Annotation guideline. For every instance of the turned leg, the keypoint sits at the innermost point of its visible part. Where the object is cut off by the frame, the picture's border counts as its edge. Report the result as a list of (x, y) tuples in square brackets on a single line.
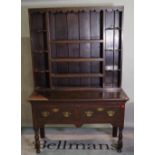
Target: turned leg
[(120, 140), (42, 132), (37, 142), (114, 131)]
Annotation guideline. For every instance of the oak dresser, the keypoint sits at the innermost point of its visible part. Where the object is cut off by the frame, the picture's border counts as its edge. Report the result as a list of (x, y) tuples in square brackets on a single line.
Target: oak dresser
[(77, 68)]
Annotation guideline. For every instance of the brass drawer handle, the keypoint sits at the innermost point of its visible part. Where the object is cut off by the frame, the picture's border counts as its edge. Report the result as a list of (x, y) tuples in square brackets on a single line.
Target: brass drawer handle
[(55, 109), (89, 113), (111, 113), (45, 113), (100, 109), (66, 114)]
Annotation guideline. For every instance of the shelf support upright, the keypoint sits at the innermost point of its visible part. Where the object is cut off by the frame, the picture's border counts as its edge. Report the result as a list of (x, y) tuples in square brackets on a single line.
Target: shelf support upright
[(113, 72), (49, 48), (102, 45)]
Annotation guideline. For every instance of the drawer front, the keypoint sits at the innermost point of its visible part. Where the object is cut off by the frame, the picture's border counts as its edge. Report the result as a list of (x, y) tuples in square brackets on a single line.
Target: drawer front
[(78, 113), (56, 114), (99, 114)]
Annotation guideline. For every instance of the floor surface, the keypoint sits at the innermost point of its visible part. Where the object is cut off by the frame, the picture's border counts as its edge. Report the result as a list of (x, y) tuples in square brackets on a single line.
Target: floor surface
[(78, 141)]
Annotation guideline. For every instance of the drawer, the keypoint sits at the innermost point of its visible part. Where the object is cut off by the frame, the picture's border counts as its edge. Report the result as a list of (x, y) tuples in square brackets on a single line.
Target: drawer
[(99, 113), (78, 113), (57, 114)]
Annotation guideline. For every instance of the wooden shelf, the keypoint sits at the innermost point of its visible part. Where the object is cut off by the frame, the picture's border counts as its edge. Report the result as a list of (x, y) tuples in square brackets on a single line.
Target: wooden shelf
[(113, 28), (113, 50), (42, 88), (70, 75), (75, 41), (40, 51), (112, 68), (77, 59), (39, 31), (77, 89), (41, 71)]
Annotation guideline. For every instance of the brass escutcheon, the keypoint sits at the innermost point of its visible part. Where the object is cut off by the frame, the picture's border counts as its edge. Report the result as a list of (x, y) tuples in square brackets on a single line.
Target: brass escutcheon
[(66, 114), (100, 109), (55, 109), (111, 113), (45, 113), (89, 113)]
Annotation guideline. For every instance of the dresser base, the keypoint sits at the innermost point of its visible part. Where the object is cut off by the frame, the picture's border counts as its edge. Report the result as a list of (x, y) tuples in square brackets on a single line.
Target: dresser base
[(78, 108)]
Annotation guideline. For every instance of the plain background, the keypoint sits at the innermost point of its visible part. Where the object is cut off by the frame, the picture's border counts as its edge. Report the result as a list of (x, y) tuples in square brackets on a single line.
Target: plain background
[(128, 50)]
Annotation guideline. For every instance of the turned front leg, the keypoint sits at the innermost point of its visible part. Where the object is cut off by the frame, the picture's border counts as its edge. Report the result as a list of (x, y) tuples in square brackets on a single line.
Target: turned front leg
[(37, 142), (42, 132), (114, 131), (120, 140)]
